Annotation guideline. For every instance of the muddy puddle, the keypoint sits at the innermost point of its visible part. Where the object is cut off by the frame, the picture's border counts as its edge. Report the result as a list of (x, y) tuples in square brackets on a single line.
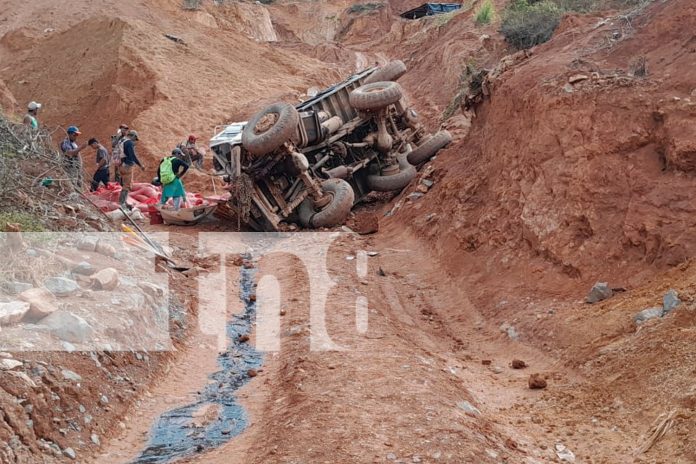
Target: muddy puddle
[(216, 416)]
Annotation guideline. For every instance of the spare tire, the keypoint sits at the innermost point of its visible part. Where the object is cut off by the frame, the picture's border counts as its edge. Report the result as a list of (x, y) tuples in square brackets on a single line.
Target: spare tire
[(391, 71), (269, 129), (427, 149), (394, 182), (375, 96), (335, 212)]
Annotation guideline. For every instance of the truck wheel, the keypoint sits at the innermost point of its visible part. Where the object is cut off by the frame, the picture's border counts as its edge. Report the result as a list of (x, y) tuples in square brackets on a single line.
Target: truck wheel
[(269, 129), (375, 96), (391, 71), (427, 149), (398, 181), (335, 212)]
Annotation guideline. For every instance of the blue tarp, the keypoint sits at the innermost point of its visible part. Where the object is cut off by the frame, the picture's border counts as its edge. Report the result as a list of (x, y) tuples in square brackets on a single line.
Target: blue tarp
[(429, 9)]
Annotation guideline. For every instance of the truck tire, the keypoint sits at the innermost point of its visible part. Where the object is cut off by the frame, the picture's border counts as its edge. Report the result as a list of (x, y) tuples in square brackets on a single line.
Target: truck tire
[(391, 71), (334, 213), (375, 96), (283, 129), (427, 149), (380, 183)]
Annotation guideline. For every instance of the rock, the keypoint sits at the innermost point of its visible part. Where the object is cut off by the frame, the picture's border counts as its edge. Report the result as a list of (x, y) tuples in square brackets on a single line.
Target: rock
[(518, 364), (537, 382), (87, 244), (83, 268), (283, 312), (252, 373), (95, 439), (414, 196), (70, 375), (670, 302), (497, 370), (13, 312), (68, 327), (106, 279), (9, 364), (391, 456), (564, 454), (60, 286), (577, 78), (422, 188), (4, 355), (41, 301), (15, 288), (427, 182), (486, 362), (600, 291), (104, 399), (151, 289), (568, 88), (105, 248), (243, 338), (647, 314), (468, 408), (510, 331), (69, 452), (366, 224)]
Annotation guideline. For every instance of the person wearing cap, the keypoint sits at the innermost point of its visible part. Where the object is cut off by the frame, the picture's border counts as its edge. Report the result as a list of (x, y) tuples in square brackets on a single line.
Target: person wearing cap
[(130, 160), (191, 150), (30, 119), (101, 174), (117, 142), (72, 160)]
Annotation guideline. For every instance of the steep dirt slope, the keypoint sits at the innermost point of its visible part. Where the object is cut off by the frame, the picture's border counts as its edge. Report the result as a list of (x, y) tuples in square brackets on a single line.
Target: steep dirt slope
[(128, 71), (590, 176)]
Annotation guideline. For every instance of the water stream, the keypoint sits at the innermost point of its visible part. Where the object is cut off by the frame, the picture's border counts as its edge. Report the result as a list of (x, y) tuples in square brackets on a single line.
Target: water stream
[(179, 433)]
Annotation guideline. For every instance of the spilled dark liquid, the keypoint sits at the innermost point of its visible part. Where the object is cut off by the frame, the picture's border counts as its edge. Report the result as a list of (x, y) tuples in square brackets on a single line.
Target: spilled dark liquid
[(175, 435)]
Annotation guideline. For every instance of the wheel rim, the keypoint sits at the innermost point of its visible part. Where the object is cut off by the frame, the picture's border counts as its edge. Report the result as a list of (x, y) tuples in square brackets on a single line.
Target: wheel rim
[(265, 123)]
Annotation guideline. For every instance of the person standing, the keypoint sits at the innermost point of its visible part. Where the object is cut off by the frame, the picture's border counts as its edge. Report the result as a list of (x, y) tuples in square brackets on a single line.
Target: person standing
[(101, 174), (169, 174), (130, 160), (117, 150), (31, 118), (72, 160)]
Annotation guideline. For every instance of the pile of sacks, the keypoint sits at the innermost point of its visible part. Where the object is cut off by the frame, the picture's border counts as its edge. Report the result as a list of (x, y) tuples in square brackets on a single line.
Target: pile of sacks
[(142, 197)]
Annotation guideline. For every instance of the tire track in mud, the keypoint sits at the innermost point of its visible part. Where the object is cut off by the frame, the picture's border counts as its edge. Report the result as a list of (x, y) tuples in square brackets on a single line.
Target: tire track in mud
[(216, 417)]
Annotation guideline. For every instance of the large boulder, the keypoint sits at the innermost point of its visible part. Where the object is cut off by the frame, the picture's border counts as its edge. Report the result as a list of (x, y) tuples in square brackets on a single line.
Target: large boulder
[(13, 312), (41, 301), (68, 327)]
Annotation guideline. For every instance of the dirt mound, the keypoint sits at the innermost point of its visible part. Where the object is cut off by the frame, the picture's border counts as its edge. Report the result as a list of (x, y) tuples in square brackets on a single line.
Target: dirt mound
[(599, 182)]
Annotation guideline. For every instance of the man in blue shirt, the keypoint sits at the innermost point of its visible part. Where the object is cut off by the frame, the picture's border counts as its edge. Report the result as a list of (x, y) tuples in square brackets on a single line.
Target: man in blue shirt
[(72, 160), (130, 159)]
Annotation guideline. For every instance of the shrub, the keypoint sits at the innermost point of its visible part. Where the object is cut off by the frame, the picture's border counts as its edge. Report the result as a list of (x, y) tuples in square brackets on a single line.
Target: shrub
[(485, 14), (526, 24)]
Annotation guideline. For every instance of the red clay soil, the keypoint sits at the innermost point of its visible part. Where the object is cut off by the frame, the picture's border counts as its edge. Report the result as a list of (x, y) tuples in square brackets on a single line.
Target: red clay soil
[(551, 187)]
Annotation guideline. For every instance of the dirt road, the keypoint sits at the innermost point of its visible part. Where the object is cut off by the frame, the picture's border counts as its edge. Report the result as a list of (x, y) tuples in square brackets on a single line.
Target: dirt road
[(430, 380)]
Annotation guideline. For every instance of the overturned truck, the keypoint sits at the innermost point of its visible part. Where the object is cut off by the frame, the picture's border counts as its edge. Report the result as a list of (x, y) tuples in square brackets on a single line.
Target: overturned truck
[(310, 163)]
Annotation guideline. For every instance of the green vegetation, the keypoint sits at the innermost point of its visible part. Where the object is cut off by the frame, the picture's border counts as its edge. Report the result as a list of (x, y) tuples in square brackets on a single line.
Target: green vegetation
[(527, 23), (27, 222), (365, 7), (485, 14)]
